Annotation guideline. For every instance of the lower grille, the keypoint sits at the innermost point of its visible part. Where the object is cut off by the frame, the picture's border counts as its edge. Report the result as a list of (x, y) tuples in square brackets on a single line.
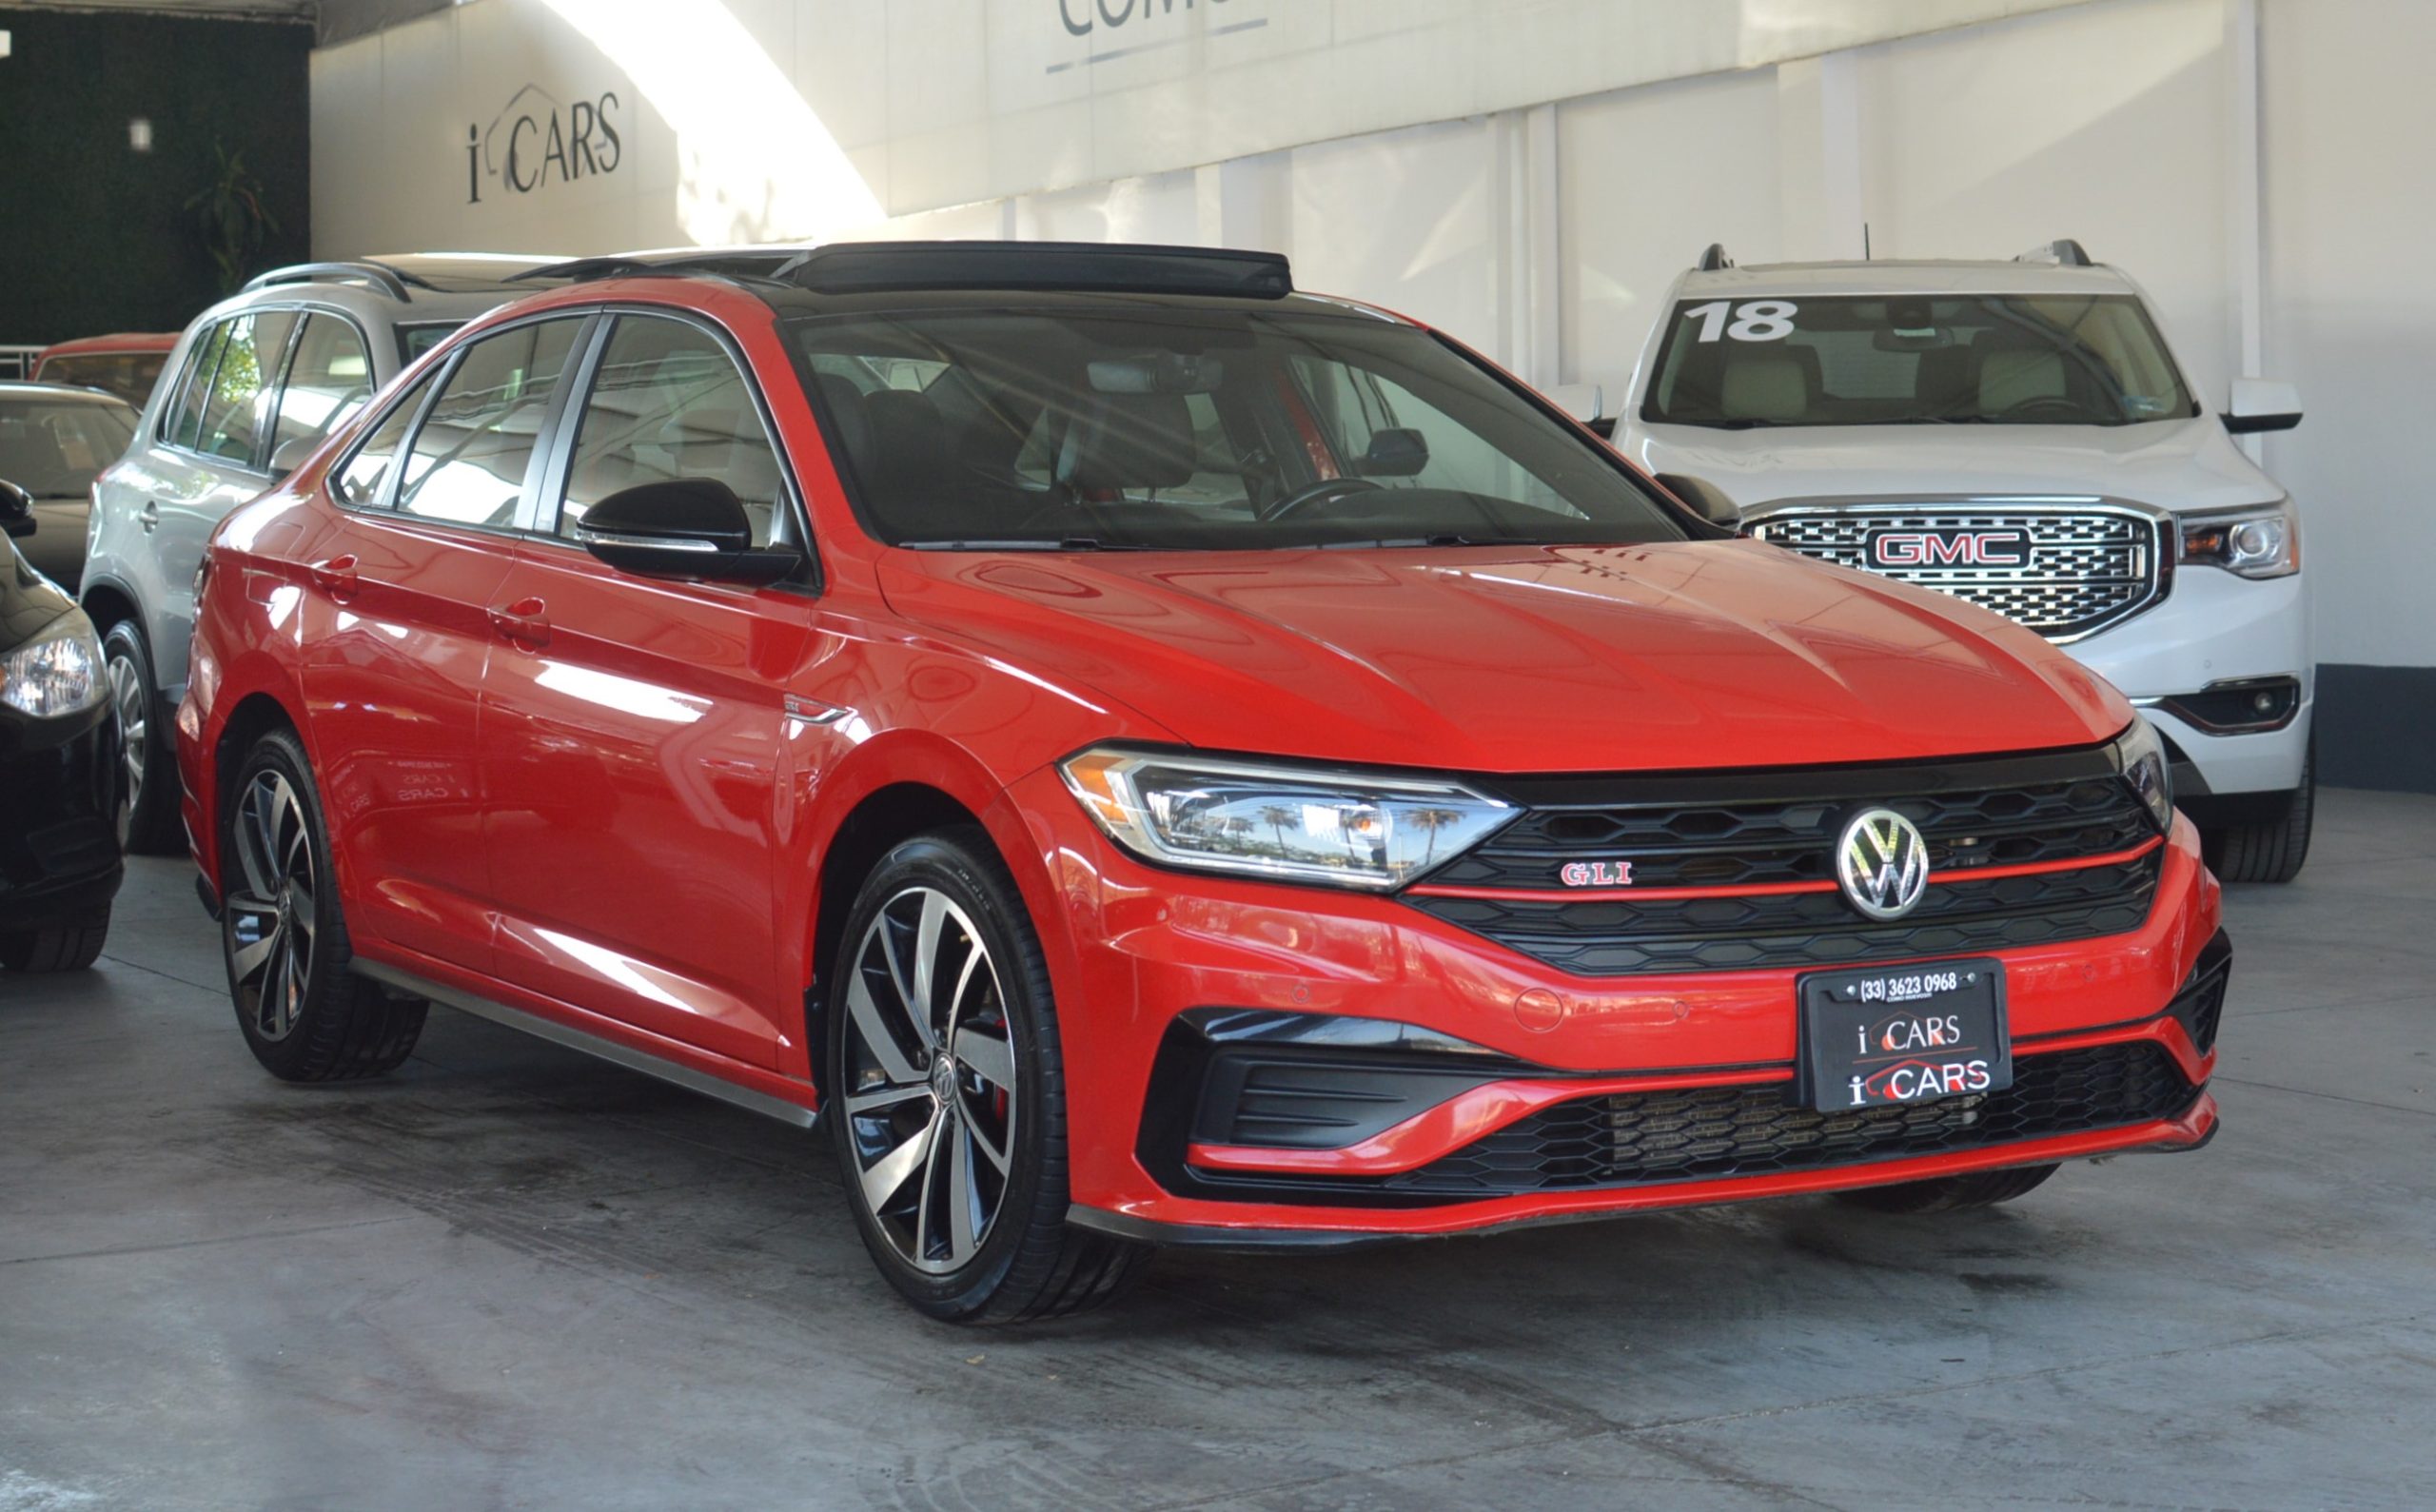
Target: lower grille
[(1716, 1132), (2064, 573)]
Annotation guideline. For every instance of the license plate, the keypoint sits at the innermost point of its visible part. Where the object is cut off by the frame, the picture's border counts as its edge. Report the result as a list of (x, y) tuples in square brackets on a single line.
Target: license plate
[(1891, 1034)]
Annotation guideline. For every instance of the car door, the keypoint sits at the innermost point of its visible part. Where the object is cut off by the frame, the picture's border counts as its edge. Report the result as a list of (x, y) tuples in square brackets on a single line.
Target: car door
[(396, 633), (632, 728)]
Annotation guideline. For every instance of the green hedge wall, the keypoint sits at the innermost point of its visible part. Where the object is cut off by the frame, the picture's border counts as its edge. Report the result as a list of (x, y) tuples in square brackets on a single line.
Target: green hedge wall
[(95, 237)]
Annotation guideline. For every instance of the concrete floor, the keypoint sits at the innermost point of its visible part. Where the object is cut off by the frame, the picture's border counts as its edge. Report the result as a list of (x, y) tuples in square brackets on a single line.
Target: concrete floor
[(510, 1276)]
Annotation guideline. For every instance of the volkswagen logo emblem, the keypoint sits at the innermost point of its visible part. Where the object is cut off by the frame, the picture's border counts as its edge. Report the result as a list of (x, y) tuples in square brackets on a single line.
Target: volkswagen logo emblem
[(1882, 863)]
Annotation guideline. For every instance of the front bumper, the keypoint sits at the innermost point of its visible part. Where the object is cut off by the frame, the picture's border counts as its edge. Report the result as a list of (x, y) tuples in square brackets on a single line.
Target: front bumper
[(1134, 950), (2216, 628)]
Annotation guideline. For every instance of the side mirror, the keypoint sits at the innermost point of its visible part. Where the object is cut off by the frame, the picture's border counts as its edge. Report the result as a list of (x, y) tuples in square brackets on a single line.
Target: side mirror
[(689, 528), (1707, 500), (2261, 404), (1587, 402), (1394, 454), (290, 454), (16, 511)]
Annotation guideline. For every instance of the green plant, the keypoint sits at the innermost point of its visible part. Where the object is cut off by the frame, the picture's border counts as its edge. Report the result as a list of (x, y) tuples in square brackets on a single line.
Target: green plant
[(229, 210)]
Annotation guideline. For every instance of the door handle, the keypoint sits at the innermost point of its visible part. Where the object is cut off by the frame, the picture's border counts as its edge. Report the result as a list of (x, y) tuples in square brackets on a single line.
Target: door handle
[(525, 622), (336, 577), (149, 515)]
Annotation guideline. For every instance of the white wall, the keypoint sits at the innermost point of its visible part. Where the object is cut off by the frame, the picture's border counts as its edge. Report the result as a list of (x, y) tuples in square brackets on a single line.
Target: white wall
[(1546, 236), (2350, 211)]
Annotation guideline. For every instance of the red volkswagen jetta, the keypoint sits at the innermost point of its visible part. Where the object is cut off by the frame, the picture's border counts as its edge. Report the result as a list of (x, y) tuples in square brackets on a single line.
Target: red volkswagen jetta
[(1154, 757)]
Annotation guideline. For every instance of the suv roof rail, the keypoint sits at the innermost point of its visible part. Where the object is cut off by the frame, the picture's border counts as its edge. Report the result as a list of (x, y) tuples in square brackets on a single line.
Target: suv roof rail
[(857, 268), (2064, 252), (1713, 260), (390, 280)]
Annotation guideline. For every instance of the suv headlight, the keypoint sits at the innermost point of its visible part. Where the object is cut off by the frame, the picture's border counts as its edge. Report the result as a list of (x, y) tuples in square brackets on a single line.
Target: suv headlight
[(1351, 829), (57, 673), (2140, 756), (2264, 542)]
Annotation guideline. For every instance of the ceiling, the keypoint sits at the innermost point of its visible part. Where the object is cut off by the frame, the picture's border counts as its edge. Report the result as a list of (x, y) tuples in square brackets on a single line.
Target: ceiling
[(333, 20)]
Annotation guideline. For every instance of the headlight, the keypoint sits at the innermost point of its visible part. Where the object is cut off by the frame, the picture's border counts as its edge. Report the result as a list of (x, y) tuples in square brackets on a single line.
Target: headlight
[(1352, 829), (2256, 542), (2141, 757), (58, 671)]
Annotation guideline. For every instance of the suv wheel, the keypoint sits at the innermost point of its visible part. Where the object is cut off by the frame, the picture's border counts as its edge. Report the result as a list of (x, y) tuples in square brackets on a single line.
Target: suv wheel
[(68, 946), (947, 1093), (1981, 1188), (2270, 848), (147, 799), (305, 1016)]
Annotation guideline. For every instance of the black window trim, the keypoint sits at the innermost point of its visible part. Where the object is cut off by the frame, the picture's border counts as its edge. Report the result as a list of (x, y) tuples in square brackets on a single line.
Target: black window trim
[(568, 422)]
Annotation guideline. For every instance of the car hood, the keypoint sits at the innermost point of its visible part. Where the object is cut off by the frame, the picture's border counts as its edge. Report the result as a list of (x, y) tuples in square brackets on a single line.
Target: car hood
[(2185, 464), (1559, 658)]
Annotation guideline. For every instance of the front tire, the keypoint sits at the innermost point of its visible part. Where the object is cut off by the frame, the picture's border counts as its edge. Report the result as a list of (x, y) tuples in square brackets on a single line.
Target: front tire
[(69, 947), (2270, 847), (1980, 1189), (147, 797), (305, 1016), (947, 1099)]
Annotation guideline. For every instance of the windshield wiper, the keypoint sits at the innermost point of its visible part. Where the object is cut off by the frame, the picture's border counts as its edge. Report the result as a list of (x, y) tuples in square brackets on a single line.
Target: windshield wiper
[(1391, 541), (1064, 544)]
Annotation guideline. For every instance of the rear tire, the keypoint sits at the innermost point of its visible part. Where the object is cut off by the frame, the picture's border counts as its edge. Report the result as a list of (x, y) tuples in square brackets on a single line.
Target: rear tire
[(69, 947), (1980, 1189), (947, 1095), (2271, 848), (148, 795), (305, 1016)]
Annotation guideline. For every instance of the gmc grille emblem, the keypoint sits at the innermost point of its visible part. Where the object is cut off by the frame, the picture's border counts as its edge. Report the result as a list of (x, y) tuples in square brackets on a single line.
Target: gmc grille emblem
[(1949, 548)]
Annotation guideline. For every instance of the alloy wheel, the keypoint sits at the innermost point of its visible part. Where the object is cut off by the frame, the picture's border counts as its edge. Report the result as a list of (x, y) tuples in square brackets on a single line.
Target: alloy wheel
[(128, 705), (929, 1072), (270, 913)]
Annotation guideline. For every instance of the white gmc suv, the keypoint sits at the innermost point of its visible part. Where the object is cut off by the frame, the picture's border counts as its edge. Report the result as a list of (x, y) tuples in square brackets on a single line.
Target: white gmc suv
[(2019, 435)]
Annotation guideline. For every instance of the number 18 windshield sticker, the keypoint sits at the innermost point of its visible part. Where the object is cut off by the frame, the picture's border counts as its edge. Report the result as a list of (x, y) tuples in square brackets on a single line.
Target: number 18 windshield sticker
[(1758, 320)]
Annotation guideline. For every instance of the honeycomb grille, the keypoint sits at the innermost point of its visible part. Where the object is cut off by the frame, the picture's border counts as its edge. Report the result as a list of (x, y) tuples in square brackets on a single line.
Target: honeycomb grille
[(1717, 1133), (2086, 569)]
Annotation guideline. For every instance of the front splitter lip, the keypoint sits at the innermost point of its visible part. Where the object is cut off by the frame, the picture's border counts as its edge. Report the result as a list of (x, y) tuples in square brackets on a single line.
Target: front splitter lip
[(1201, 1224)]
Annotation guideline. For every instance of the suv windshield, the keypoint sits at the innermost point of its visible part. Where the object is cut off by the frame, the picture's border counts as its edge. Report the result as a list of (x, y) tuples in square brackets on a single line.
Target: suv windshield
[(1142, 427), (2027, 360), (53, 448)]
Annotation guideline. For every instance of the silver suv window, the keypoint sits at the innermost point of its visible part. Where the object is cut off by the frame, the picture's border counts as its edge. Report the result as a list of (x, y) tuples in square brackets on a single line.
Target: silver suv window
[(328, 379)]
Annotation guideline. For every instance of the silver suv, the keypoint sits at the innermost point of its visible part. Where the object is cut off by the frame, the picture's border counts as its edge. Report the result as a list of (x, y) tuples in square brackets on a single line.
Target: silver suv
[(253, 385)]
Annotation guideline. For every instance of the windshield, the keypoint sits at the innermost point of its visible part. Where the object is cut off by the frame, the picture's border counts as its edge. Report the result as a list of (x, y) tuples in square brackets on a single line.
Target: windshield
[(53, 448), (2015, 360), (130, 374), (1140, 427)]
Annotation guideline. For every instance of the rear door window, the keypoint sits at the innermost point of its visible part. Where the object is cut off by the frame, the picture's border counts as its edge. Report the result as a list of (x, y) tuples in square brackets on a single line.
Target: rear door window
[(469, 460), (363, 481), (328, 380), (195, 386)]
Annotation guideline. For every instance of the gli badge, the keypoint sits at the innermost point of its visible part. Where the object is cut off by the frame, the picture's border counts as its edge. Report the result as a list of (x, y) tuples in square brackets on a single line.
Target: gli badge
[(1882, 864), (1597, 873)]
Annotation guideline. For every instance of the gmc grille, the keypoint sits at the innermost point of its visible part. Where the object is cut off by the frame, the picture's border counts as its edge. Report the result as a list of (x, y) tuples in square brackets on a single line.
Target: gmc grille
[(2083, 569)]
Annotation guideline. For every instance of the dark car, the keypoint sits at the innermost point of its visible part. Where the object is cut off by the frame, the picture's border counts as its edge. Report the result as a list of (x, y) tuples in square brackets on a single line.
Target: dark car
[(59, 768)]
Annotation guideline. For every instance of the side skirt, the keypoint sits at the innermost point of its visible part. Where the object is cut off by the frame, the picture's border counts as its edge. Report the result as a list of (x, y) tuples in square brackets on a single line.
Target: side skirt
[(610, 1050)]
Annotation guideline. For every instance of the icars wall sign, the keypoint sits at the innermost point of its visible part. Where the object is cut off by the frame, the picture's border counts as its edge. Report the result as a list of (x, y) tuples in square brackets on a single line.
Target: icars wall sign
[(534, 137)]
